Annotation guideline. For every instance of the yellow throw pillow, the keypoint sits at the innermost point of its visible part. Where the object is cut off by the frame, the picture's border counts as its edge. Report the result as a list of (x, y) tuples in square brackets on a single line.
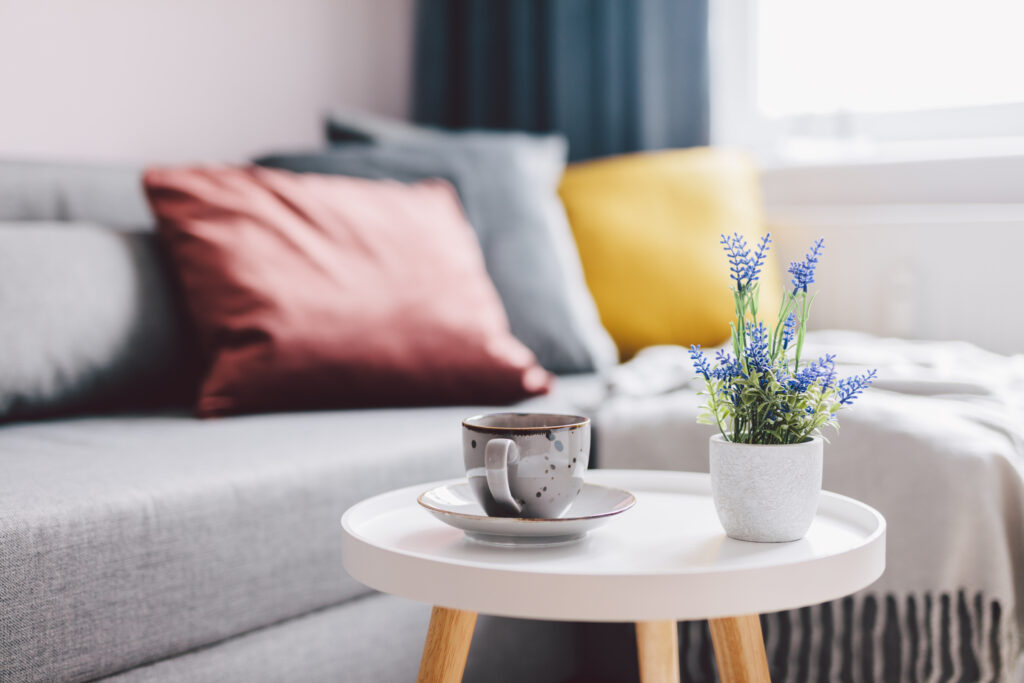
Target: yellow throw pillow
[(648, 227)]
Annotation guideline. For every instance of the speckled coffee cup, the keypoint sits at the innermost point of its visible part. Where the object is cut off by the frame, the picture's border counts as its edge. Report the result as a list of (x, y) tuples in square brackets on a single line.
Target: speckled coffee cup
[(526, 464)]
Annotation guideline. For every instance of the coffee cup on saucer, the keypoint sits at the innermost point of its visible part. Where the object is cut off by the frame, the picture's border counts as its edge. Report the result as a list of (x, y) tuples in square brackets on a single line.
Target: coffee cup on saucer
[(528, 465)]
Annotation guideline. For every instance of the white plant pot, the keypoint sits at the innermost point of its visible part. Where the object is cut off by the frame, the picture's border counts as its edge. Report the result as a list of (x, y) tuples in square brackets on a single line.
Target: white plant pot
[(767, 494)]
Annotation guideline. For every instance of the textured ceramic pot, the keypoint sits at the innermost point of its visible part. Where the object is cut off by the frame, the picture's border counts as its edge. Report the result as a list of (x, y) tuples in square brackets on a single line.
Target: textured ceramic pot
[(767, 494)]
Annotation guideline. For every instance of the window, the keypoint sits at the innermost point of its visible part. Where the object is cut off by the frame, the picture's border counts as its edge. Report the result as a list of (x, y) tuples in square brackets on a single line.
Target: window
[(834, 80)]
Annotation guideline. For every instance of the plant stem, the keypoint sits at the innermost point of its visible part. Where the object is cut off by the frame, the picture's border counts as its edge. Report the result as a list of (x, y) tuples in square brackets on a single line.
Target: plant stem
[(784, 308), (801, 332)]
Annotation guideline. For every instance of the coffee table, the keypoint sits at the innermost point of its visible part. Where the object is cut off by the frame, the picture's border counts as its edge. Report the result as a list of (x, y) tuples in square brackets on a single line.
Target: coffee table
[(665, 560)]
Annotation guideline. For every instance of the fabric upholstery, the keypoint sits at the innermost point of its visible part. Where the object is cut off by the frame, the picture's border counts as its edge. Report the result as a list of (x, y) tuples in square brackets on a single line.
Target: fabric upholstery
[(648, 227), (508, 185), (44, 191), (374, 638), (614, 76), (87, 322), (124, 540), (313, 291)]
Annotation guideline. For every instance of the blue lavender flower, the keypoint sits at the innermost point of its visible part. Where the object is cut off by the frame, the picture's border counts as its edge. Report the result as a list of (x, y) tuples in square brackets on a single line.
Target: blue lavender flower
[(789, 330), (827, 372), (800, 382), (700, 361), (760, 255), (726, 366), (744, 266), (803, 271), (822, 370), (738, 253), (757, 349), (851, 387)]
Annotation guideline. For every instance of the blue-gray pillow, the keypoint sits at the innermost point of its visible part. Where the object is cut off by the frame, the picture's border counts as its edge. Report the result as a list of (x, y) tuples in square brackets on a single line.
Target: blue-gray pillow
[(87, 322), (508, 185)]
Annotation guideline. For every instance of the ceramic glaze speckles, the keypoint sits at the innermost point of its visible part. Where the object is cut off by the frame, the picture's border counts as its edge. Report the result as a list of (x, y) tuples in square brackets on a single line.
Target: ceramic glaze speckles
[(535, 462), (764, 493)]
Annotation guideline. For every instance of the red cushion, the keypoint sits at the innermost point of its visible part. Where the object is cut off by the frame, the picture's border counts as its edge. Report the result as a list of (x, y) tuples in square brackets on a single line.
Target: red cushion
[(312, 291)]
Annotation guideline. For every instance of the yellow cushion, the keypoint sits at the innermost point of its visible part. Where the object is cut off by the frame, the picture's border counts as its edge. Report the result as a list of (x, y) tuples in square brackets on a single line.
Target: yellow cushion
[(648, 228)]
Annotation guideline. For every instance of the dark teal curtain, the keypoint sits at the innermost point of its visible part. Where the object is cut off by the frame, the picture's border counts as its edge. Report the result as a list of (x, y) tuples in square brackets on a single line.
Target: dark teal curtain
[(614, 76)]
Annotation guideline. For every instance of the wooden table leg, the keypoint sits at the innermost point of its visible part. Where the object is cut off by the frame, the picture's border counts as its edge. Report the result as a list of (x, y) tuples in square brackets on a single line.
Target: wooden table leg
[(739, 649), (657, 644), (447, 645)]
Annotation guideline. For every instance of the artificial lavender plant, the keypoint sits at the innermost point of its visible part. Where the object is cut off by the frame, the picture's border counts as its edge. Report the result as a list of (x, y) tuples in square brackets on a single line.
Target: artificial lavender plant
[(760, 393)]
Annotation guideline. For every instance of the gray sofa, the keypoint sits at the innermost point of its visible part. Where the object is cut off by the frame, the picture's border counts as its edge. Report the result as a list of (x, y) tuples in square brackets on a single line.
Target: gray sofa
[(210, 550), (138, 543)]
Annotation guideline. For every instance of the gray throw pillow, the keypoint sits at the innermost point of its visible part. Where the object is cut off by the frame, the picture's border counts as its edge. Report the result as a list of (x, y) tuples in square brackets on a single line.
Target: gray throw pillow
[(87, 322), (508, 184), (352, 125), (45, 191)]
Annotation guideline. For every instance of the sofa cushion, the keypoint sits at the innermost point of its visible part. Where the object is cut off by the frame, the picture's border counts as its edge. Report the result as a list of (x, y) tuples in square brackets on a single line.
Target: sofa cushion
[(648, 228), (507, 183), (45, 191), (374, 638), (315, 291), (124, 540), (345, 124), (87, 322)]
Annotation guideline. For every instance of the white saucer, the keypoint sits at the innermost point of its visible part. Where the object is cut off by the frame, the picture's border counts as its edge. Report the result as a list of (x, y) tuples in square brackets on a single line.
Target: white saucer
[(455, 505)]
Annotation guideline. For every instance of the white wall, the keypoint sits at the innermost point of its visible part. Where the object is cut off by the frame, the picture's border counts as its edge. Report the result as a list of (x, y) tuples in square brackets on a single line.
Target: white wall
[(953, 278), (178, 80), (928, 250)]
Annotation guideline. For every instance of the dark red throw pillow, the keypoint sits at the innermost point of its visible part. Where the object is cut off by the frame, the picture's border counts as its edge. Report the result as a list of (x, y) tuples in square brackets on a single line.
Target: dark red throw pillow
[(311, 291)]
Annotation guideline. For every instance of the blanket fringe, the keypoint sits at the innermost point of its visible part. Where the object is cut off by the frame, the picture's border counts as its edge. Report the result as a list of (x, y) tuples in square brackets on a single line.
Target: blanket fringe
[(870, 638)]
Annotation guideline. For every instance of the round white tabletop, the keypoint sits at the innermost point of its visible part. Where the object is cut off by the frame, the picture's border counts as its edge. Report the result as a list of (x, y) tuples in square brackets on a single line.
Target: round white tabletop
[(666, 559)]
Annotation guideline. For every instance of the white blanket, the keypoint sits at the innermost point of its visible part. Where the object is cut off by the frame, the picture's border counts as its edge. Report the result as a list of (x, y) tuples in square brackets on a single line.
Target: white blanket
[(938, 447)]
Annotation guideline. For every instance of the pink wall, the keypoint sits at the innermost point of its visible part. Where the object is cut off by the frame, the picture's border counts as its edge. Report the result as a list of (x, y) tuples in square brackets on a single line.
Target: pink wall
[(176, 80)]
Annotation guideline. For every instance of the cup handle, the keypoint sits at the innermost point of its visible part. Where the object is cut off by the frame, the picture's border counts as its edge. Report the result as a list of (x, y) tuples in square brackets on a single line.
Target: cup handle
[(498, 455)]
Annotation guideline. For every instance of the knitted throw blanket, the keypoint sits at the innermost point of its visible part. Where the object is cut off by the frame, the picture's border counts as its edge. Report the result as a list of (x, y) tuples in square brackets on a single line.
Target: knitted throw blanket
[(937, 446)]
